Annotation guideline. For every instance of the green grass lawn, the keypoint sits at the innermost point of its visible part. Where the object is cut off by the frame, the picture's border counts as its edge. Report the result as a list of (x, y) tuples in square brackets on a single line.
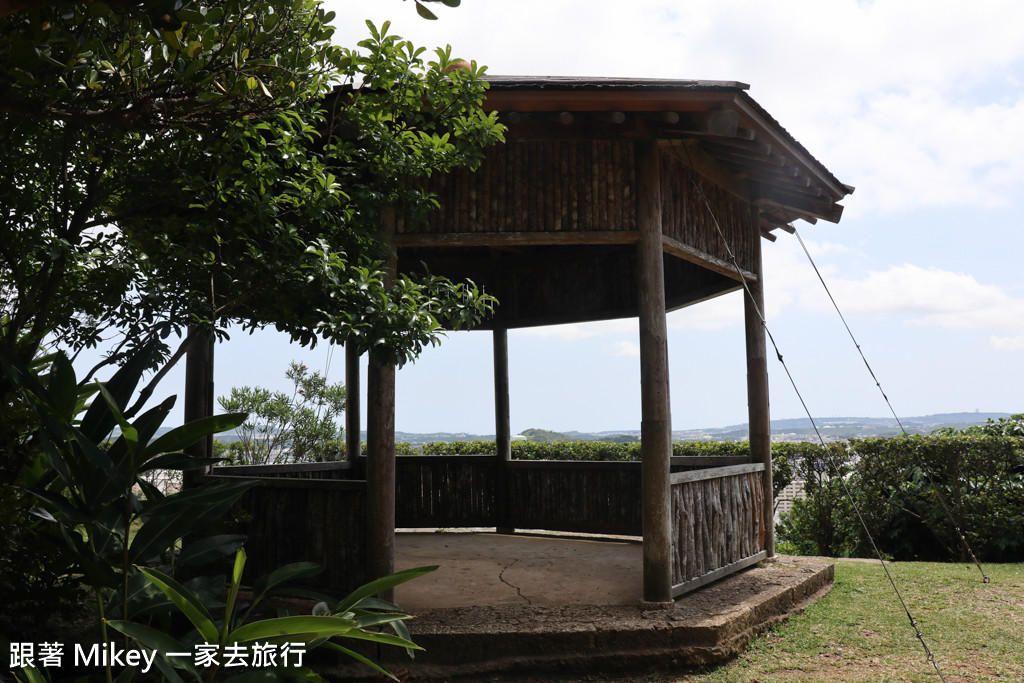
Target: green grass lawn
[(859, 631)]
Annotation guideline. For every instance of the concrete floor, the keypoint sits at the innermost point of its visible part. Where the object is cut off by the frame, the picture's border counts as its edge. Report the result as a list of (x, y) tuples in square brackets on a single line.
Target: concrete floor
[(488, 569), (504, 607)]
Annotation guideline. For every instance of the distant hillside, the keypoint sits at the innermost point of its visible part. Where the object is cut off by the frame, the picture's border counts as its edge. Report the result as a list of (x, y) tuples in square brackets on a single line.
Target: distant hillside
[(797, 429)]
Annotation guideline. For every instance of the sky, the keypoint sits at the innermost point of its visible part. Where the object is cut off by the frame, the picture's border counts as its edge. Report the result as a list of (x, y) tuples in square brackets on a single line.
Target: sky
[(918, 104)]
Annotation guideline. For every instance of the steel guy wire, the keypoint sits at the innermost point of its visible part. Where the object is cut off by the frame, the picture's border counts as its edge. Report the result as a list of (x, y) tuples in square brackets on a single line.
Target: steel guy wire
[(849, 495), (942, 500)]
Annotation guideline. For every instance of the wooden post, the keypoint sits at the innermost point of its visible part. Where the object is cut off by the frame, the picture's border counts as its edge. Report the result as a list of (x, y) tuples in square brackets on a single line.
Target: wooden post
[(353, 418), (198, 399), (757, 385), (656, 422), (502, 433), (380, 438)]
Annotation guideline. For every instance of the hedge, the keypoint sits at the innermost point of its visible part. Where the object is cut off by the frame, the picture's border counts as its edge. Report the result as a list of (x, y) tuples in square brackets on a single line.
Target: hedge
[(914, 492)]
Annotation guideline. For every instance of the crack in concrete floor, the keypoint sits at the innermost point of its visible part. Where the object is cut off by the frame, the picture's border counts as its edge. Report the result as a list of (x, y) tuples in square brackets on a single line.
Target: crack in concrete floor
[(501, 577)]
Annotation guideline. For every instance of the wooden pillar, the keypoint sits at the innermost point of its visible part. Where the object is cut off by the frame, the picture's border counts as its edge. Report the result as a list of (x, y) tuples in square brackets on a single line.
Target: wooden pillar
[(199, 398), (380, 446), (353, 417), (502, 433), (656, 423), (757, 385)]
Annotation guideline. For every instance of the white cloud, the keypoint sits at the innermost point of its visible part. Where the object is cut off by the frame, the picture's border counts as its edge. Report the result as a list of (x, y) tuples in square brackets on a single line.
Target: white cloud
[(929, 296), (714, 314), (625, 348), (1008, 343), (574, 331)]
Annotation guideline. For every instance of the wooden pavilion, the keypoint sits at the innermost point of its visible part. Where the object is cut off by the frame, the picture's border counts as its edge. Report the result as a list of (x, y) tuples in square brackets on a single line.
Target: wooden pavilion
[(611, 198)]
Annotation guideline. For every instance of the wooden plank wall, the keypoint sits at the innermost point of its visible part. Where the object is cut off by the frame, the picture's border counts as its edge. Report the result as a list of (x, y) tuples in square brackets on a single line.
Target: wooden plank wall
[(538, 186), (716, 521), (716, 512), (686, 218), (445, 491), (592, 497), (306, 520)]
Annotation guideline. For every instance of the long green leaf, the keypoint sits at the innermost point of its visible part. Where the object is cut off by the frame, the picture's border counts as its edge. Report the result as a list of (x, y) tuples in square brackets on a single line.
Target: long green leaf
[(186, 601), (188, 434), (384, 638), (63, 386), (98, 421), (289, 572), (380, 585), (177, 461), (33, 675), (156, 640), (128, 432), (236, 581), (360, 658), (173, 516), (304, 627), (63, 506), (210, 549)]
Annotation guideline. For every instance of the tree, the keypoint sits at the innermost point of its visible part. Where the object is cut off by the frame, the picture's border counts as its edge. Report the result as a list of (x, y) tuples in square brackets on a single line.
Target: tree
[(221, 163), (302, 427)]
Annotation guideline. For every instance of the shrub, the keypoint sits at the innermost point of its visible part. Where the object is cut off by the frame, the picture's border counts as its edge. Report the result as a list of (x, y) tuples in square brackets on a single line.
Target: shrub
[(914, 493), (297, 428)]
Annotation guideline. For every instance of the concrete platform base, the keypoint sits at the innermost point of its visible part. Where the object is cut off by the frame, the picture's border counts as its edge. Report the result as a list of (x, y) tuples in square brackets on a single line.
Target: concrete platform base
[(556, 606)]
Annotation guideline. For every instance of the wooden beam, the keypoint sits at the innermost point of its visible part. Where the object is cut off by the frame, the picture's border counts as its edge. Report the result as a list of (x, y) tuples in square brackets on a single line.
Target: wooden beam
[(787, 145), (798, 203), (690, 153), (701, 258), (515, 239), (656, 420), (589, 100)]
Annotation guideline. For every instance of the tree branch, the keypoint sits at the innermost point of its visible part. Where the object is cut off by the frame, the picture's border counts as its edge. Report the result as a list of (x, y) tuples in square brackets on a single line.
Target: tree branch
[(148, 390)]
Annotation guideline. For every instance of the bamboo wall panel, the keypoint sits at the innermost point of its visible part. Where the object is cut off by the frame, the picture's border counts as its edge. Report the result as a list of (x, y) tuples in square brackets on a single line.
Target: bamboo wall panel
[(537, 186), (686, 218), (571, 496), (716, 523), (445, 491), (304, 520)]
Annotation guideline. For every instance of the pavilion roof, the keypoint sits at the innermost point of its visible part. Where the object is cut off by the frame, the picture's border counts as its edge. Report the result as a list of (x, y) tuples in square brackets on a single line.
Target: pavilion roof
[(725, 131)]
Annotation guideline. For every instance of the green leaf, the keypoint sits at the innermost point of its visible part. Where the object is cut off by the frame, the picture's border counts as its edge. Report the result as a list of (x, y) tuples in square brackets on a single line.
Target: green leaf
[(186, 435), (175, 515), (62, 386), (98, 421), (424, 12), (304, 628), (289, 572), (177, 461), (360, 658), (33, 675), (186, 601), (128, 433), (209, 549), (236, 581), (157, 641), (380, 585)]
